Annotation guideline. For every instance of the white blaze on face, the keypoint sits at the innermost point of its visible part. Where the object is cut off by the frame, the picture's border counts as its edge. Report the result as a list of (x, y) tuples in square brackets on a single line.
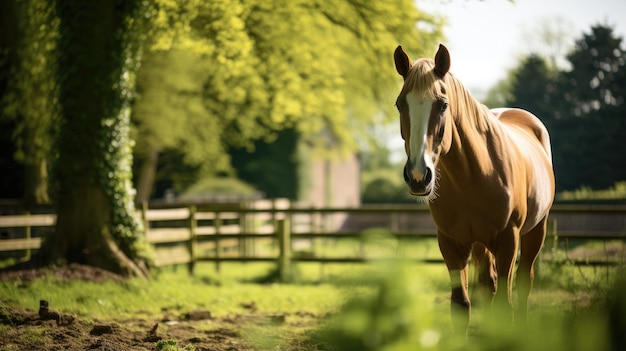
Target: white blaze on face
[(419, 112)]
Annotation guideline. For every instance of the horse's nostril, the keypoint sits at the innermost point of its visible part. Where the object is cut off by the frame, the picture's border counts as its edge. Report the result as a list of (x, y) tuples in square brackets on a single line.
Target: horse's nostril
[(407, 173), (428, 175)]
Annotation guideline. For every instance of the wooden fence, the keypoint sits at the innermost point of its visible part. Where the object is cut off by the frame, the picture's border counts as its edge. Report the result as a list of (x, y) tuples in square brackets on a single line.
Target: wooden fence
[(281, 232)]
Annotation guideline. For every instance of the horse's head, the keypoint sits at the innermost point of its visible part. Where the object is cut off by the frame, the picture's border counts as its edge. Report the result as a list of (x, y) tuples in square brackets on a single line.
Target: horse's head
[(424, 121)]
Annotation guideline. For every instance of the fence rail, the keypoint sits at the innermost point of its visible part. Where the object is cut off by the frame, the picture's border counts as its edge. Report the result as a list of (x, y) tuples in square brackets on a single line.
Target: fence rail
[(277, 231)]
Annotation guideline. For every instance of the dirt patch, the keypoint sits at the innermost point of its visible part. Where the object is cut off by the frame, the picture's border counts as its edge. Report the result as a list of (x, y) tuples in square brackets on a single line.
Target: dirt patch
[(71, 271), (25, 329), (51, 329)]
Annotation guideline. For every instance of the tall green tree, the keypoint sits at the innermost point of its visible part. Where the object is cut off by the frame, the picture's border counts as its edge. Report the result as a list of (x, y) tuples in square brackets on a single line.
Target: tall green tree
[(319, 67), (589, 145), (582, 106), (29, 30), (532, 84), (170, 116), (198, 80), (98, 48)]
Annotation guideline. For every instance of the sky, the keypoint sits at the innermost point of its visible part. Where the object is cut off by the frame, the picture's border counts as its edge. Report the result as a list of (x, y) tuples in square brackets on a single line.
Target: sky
[(487, 37)]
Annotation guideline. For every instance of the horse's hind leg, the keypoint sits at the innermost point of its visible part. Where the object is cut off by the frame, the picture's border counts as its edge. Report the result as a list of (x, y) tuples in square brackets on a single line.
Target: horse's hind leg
[(456, 256), (507, 243), (531, 243), (485, 273)]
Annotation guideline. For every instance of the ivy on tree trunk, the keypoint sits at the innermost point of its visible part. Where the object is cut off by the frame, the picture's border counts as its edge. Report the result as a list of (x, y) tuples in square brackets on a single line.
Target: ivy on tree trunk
[(98, 54)]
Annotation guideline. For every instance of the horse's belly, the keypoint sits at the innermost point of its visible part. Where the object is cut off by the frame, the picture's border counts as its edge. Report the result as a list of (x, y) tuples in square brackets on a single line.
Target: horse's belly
[(540, 196), (469, 224), (539, 179)]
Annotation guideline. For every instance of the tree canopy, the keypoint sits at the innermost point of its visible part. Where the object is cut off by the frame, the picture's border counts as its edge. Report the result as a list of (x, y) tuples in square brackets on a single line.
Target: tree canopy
[(215, 74), (28, 88), (228, 73), (583, 107)]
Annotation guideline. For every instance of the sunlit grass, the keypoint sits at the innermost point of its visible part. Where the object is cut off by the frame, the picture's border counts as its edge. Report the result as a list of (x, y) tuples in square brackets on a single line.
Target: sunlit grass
[(176, 292), (386, 304)]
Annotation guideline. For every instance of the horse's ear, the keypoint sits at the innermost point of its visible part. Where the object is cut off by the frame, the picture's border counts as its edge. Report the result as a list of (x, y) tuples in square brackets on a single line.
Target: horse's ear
[(403, 64), (442, 61)]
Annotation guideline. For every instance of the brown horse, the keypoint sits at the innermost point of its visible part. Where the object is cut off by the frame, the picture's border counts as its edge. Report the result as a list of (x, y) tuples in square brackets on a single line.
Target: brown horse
[(487, 175)]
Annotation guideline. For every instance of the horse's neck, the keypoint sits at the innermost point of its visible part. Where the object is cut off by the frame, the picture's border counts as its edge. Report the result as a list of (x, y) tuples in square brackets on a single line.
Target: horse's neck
[(473, 130)]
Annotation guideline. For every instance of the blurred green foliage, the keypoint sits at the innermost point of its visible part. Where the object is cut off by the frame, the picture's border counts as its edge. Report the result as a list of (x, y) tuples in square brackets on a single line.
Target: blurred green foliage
[(224, 74), (209, 188), (277, 167), (616, 192), (30, 95), (28, 92), (399, 316), (583, 108)]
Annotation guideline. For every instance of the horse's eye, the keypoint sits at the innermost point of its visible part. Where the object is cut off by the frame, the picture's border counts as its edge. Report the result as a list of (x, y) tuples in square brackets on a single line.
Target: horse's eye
[(444, 106)]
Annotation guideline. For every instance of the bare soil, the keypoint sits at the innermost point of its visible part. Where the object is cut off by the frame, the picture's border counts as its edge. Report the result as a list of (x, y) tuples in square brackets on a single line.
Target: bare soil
[(49, 329)]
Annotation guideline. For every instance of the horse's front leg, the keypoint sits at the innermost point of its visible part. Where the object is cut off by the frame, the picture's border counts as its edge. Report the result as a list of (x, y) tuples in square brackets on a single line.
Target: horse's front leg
[(456, 256)]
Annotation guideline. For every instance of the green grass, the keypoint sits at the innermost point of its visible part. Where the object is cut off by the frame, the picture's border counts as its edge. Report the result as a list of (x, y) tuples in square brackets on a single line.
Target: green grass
[(383, 305), (173, 291)]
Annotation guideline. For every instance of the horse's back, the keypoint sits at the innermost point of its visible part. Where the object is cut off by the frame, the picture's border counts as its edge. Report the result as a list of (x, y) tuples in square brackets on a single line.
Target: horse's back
[(527, 122)]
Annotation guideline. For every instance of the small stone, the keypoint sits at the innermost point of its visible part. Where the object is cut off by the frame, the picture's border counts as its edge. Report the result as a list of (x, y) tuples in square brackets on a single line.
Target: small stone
[(198, 315), (101, 329)]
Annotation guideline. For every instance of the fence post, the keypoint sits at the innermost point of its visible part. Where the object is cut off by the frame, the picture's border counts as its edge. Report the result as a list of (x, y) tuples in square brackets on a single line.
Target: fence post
[(28, 236), (283, 231), (192, 239), (218, 225)]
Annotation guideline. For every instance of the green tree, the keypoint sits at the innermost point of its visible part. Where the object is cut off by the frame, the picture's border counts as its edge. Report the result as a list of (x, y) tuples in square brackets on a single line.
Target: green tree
[(582, 107), (531, 86), (319, 67), (97, 52), (199, 91), (170, 116), (29, 30), (272, 167), (589, 144), (342, 85)]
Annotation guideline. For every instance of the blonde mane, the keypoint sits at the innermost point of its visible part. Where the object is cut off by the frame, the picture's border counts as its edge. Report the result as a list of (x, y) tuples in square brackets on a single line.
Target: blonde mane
[(422, 80)]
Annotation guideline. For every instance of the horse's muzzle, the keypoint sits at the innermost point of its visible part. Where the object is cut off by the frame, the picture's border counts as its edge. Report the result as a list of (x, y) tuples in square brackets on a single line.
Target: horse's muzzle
[(421, 187)]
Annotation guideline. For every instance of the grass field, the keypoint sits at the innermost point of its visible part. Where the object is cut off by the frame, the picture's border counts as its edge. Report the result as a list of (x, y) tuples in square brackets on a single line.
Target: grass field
[(382, 305)]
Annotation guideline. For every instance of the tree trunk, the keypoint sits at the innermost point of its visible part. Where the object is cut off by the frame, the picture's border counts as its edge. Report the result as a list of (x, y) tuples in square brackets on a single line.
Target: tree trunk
[(28, 90), (36, 183), (147, 173), (97, 56), (84, 233)]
